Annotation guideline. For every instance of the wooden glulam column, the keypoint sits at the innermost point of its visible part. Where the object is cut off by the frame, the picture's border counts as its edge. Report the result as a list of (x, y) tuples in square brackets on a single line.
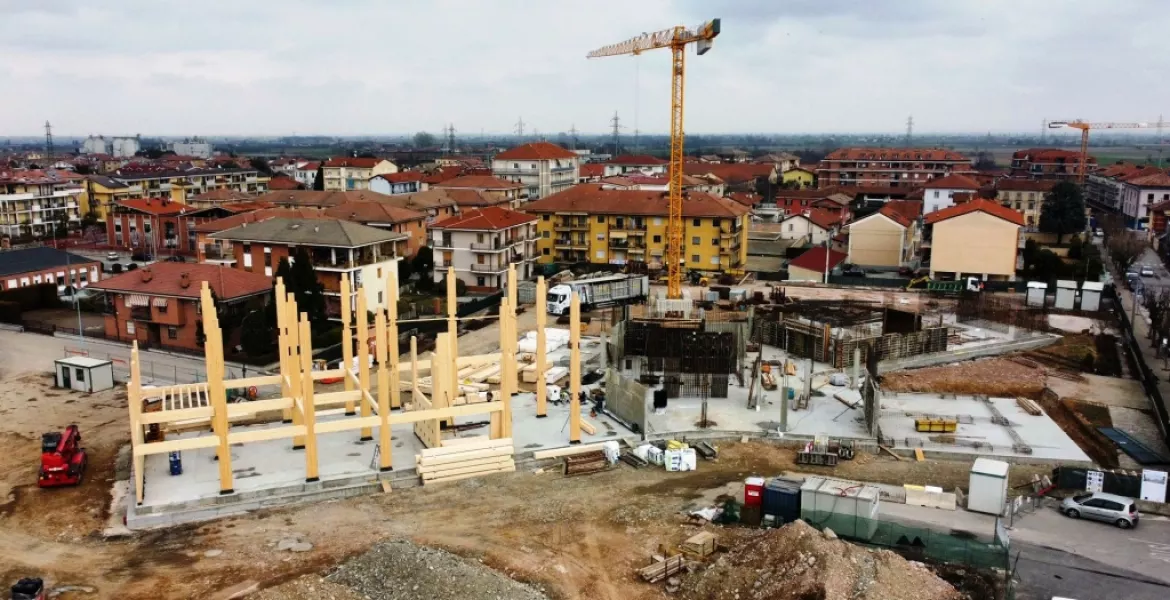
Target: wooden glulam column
[(385, 462), (217, 393), (347, 339), (306, 402), (575, 370), (512, 373), (392, 341), (506, 388), (452, 354), (541, 348), (295, 373), (363, 357), (137, 438), (281, 345)]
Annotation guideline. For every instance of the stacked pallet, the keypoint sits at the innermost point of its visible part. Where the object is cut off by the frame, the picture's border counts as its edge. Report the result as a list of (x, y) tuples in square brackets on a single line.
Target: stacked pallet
[(465, 459), (586, 463)]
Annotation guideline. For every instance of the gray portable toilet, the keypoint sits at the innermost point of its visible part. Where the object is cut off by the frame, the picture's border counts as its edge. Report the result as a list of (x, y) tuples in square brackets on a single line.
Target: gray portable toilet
[(1091, 295), (1037, 290), (1066, 294)]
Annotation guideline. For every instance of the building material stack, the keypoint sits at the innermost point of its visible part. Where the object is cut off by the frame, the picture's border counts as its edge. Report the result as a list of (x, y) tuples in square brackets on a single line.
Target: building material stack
[(463, 459)]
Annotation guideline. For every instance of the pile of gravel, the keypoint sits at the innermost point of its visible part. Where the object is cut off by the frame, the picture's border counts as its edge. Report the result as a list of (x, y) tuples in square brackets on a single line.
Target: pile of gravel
[(400, 570)]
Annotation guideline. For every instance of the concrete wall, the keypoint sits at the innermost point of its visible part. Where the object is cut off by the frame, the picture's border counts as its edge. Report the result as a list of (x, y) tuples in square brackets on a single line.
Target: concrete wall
[(876, 242), (626, 398), (976, 243)]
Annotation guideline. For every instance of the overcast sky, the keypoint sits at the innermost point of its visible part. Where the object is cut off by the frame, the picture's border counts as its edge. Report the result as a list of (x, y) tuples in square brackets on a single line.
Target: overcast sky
[(354, 67)]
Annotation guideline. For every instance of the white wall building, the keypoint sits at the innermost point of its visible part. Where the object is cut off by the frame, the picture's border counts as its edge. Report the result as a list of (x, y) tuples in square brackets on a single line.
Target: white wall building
[(306, 174), (636, 164), (940, 193), (480, 244), (544, 168), (1138, 194), (196, 147)]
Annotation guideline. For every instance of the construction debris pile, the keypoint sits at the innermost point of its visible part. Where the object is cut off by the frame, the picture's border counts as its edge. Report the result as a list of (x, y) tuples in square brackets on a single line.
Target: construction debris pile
[(797, 562), (400, 570), (1002, 377)]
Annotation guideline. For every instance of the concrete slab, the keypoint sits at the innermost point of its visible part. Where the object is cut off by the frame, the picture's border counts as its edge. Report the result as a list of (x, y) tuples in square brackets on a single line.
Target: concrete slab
[(1142, 427), (1047, 439)]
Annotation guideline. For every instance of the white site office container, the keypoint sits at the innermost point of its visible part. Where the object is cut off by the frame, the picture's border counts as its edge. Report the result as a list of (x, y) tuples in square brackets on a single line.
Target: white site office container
[(1066, 294), (848, 508), (988, 486), (1037, 290), (1091, 295), (84, 374)]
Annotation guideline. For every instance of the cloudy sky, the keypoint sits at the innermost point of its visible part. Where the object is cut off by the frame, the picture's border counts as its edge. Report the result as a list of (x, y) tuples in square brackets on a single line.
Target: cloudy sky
[(354, 67)]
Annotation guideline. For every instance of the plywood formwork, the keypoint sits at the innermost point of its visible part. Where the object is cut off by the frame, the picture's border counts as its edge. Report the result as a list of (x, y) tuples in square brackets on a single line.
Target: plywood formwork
[(203, 407)]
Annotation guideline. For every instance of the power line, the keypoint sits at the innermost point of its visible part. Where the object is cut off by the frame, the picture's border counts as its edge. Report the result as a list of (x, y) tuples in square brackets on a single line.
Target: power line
[(450, 130), (48, 140), (573, 136), (519, 128), (616, 123)]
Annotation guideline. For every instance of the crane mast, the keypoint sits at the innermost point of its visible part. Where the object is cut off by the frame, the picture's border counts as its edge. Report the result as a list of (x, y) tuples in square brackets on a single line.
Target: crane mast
[(1085, 126), (677, 39)]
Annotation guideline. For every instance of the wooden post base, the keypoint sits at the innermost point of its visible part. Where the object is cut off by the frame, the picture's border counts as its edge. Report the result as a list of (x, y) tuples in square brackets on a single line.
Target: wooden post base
[(385, 469), (366, 438), (541, 416), (301, 447), (312, 479), (226, 492)]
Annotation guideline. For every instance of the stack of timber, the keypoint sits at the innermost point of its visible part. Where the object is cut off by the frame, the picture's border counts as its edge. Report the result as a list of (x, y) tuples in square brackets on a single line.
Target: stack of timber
[(464, 459), (663, 569), (586, 463)]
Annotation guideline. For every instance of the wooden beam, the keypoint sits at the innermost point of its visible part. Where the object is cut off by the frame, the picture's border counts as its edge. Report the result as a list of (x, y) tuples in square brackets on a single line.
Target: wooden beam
[(282, 348), (262, 435), (459, 448), (338, 397), (465, 456), (348, 424), (588, 427), (295, 371), (480, 467), (413, 416), (195, 443), (346, 337), (307, 400), (505, 469), (575, 369), (380, 334), (391, 344), (217, 393), (247, 382), (134, 402), (257, 406), (363, 357), (567, 451), (452, 327), (424, 365), (541, 347), (170, 416)]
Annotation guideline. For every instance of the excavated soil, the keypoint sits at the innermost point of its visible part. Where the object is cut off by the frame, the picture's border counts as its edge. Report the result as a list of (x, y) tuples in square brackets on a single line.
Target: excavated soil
[(991, 377)]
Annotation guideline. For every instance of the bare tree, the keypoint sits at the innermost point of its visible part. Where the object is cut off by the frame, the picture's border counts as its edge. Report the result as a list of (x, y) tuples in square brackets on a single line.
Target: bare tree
[(1125, 247), (1158, 307)]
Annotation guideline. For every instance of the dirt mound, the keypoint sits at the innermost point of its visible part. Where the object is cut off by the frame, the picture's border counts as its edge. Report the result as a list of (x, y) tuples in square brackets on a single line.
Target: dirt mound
[(797, 562), (991, 376)]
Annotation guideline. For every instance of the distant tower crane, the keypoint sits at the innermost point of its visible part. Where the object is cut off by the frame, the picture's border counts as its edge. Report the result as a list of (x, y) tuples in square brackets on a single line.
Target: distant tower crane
[(677, 39), (1085, 126)]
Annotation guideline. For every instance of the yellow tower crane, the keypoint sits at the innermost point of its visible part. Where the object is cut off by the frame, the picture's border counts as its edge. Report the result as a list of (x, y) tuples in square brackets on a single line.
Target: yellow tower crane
[(1085, 127), (677, 39)]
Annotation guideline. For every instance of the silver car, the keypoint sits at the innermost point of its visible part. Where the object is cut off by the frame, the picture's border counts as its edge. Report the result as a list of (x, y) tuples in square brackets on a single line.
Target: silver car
[(1111, 508)]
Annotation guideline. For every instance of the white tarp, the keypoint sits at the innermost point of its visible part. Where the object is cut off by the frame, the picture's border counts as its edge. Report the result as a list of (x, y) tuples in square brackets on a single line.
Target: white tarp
[(554, 339), (1154, 485)]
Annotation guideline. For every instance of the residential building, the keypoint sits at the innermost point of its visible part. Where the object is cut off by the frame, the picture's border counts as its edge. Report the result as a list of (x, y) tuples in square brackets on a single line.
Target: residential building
[(346, 174), (306, 174), (118, 147), (1139, 193), (388, 217), (101, 193), (178, 185), (481, 243), (939, 193), (508, 194), (786, 202), (158, 227), (283, 182), (404, 182), (590, 172), (221, 252), (635, 164), (1025, 196), (978, 238), (814, 263), (34, 202), (784, 161), (1049, 163), (741, 177), (336, 247), (589, 224), (887, 238), (436, 204), (24, 267), (801, 177), (889, 167), (1103, 187), (196, 147), (158, 305), (218, 197), (542, 167), (812, 226)]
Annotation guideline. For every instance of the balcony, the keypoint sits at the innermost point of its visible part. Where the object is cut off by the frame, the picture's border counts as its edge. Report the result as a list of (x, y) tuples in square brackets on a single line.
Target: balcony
[(213, 252), (498, 172), (477, 268), (140, 313), (575, 226), (495, 246)]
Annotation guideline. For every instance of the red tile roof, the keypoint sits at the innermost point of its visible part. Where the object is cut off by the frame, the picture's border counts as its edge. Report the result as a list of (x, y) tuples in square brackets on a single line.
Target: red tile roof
[(535, 151), (908, 209), (954, 181), (153, 206), (1158, 179), (464, 197), (979, 205), (357, 163), (1025, 185), (258, 215), (166, 279), (731, 173), (591, 198), (373, 212), (637, 160), (592, 170), (313, 166), (491, 218), (224, 195), (479, 182), (1050, 155), (923, 154), (284, 182), (813, 259), (746, 198), (443, 174), (819, 217), (402, 176)]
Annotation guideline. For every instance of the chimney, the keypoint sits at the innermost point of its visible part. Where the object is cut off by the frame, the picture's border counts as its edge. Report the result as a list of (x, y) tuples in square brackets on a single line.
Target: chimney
[(146, 275), (185, 280)]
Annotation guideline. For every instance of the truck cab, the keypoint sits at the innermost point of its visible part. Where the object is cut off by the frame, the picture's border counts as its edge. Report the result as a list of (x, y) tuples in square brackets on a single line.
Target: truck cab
[(558, 299)]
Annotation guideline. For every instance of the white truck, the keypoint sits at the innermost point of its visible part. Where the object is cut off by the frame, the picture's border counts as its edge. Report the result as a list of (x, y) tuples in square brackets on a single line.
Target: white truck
[(598, 291)]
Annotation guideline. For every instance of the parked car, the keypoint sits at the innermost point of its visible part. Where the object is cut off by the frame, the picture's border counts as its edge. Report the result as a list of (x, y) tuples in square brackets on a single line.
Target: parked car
[(141, 256), (112, 256), (1110, 508), (176, 258), (1147, 271), (852, 271)]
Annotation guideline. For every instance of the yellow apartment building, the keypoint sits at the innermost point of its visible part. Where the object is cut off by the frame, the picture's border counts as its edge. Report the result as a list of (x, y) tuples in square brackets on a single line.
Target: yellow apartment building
[(1026, 196), (980, 238), (586, 223)]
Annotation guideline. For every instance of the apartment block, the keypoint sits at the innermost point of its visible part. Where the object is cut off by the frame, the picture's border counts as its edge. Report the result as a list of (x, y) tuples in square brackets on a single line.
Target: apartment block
[(481, 243), (543, 168), (889, 167), (1049, 163), (33, 202), (1025, 196), (590, 224), (345, 174)]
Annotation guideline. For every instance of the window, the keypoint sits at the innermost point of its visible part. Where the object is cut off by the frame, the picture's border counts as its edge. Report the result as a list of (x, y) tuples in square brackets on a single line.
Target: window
[(162, 309), (715, 222), (479, 259), (130, 327), (714, 241), (715, 260), (544, 251), (698, 222), (601, 254), (657, 220), (657, 239), (600, 218), (172, 333), (479, 238), (379, 277), (694, 258), (695, 241), (379, 296), (544, 217), (544, 234), (479, 281), (515, 165), (1150, 197), (790, 227), (80, 375), (601, 237), (936, 193)]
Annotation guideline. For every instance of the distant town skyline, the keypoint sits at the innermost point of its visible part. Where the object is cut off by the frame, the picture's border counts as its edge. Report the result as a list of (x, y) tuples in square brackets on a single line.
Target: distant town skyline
[(367, 68)]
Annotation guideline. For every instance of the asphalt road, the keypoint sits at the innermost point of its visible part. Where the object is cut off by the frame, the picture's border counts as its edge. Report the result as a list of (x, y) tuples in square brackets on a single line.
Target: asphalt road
[(1043, 572)]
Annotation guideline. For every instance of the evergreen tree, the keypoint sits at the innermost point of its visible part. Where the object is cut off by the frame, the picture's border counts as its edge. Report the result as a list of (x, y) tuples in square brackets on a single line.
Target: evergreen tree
[(319, 181), (1063, 211)]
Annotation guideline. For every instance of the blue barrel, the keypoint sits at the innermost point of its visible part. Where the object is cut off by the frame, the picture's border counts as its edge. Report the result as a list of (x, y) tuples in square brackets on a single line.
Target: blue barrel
[(782, 499), (791, 393), (176, 464)]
